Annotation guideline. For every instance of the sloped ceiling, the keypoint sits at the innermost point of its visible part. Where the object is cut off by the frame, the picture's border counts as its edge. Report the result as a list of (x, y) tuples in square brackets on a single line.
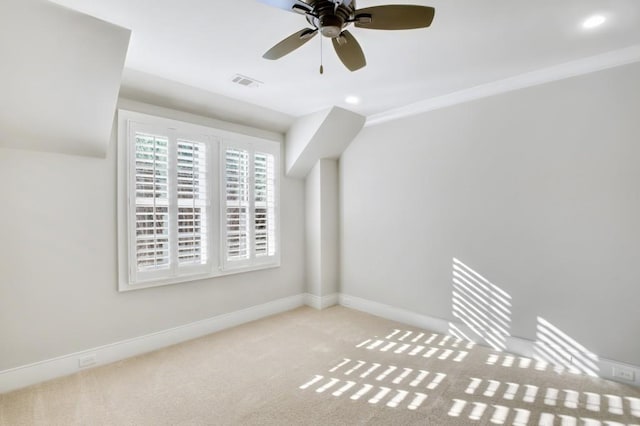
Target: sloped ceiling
[(59, 78), (170, 94), (324, 134), (204, 43)]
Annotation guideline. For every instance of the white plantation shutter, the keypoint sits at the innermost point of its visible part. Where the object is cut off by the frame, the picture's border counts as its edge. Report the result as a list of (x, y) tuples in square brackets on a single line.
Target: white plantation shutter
[(151, 202), (169, 222), (249, 212), (192, 202), (236, 214), (264, 204), (171, 175)]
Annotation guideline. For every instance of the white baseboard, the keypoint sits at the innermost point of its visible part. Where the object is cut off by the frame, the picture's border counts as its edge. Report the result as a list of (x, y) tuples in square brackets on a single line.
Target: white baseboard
[(321, 302), (396, 314), (26, 375), (515, 345)]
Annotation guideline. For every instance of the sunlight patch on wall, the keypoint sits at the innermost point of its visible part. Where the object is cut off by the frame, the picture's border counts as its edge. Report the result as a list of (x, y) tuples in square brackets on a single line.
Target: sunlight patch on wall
[(556, 347), (481, 306)]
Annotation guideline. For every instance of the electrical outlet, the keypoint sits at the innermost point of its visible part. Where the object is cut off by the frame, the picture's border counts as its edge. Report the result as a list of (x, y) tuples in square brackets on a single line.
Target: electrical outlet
[(624, 374), (86, 361)]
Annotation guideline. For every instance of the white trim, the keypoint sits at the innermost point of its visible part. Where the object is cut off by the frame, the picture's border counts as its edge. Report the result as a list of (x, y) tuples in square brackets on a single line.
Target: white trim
[(199, 120), (396, 314), (321, 302), (19, 377), (575, 68), (515, 345)]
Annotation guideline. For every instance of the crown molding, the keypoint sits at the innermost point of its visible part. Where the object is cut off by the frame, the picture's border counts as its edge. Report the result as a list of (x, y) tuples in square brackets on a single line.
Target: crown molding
[(612, 59)]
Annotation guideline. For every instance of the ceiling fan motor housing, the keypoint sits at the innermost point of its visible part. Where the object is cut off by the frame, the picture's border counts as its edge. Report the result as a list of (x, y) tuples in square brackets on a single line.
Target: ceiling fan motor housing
[(331, 17)]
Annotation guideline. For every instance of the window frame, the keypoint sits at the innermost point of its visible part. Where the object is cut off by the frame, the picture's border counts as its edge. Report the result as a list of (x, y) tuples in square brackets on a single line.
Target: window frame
[(216, 140)]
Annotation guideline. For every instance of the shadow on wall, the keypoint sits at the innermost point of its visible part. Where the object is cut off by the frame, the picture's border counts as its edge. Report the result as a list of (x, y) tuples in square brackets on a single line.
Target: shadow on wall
[(485, 310), (482, 306)]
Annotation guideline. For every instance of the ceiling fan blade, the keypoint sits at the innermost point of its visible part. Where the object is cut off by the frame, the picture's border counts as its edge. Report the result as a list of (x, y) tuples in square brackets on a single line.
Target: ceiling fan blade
[(349, 51), (297, 6), (290, 43), (394, 17)]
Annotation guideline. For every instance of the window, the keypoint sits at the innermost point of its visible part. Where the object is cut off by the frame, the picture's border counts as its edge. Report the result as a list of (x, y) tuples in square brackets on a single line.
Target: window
[(195, 202), (249, 205)]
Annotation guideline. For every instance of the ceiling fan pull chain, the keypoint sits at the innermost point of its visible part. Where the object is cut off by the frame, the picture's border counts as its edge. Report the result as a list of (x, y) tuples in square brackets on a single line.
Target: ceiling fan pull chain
[(321, 67)]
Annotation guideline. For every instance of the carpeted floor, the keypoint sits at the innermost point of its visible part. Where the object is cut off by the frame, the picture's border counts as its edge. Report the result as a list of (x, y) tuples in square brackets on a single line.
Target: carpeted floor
[(331, 367)]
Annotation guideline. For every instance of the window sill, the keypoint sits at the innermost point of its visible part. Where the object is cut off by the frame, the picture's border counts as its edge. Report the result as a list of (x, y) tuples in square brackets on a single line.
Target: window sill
[(126, 286)]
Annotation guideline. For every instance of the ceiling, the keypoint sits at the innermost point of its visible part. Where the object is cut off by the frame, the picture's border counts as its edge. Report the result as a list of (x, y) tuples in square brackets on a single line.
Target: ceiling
[(202, 44)]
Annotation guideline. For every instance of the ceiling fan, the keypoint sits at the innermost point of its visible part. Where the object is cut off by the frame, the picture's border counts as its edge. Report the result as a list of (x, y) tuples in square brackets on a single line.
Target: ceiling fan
[(331, 17)]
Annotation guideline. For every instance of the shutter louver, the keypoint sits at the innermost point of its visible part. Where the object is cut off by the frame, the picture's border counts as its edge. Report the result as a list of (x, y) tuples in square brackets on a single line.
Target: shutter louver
[(151, 202), (237, 204), (264, 205), (192, 203)]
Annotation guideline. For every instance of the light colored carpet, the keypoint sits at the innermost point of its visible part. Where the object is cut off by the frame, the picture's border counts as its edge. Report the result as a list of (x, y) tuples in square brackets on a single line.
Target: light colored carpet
[(333, 367)]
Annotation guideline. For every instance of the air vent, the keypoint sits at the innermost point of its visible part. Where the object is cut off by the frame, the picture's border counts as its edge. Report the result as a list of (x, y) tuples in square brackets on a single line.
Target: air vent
[(245, 81)]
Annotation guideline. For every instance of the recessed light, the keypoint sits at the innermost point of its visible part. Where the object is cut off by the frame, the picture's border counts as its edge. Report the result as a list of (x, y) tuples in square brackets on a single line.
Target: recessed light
[(352, 100), (593, 22)]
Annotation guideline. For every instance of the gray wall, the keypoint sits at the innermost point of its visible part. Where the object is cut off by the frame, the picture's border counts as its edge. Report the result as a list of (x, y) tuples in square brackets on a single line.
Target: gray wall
[(321, 189), (330, 226), (58, 269), (537, 190), (313, 230)]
